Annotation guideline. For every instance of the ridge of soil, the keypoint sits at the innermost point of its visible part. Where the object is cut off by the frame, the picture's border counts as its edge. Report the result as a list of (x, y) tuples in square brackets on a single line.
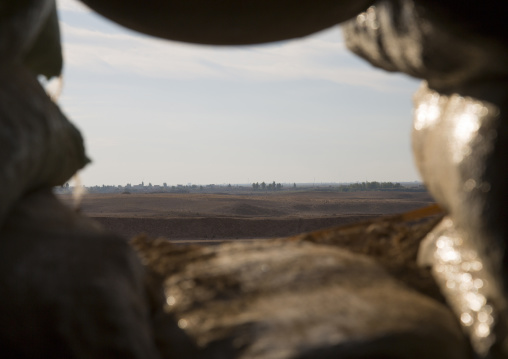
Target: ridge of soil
[(202, 216), (222, 227)]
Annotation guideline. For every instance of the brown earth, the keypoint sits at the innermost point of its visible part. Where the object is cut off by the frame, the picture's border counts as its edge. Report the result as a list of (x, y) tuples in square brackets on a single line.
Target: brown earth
[(178, 216)]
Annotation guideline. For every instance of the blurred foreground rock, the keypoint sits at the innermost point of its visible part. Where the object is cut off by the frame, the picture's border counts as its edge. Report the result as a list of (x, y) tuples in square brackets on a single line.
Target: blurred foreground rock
[(460, 142), (294, 298), (39, 147), (71, 290)]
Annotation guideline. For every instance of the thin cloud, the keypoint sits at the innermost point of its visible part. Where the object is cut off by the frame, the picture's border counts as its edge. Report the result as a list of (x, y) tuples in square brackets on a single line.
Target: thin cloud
[(319, 57)]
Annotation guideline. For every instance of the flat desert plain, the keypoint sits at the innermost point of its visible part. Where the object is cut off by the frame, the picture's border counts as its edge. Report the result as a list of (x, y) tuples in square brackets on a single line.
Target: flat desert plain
[(184, 217)]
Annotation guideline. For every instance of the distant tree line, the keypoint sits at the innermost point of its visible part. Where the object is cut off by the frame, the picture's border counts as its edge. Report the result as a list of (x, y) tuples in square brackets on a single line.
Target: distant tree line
[(267, 187), (370, 186), (254, 187)]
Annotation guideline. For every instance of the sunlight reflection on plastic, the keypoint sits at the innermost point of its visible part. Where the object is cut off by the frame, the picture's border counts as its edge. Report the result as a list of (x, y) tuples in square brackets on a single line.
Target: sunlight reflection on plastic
[(461, 118), (426, 115), (53, 86), (464, 281), (483, 330), (182, 323), (466, 319), (171, 300), (368, 18), (468, 124), (469, 185), (371, 18), (485, 187), (78, 192), (428, 112)]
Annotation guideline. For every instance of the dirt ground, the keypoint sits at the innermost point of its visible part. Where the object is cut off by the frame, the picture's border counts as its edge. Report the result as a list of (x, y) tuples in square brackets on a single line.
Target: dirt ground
[(203, 217)]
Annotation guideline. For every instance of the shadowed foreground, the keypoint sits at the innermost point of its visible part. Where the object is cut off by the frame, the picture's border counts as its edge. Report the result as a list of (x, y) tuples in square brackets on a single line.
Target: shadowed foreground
[(348, 292)]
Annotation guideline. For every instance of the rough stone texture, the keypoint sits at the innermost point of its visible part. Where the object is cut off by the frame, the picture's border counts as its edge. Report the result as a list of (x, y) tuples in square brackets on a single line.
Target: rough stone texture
[(292, 298), (71, 290)]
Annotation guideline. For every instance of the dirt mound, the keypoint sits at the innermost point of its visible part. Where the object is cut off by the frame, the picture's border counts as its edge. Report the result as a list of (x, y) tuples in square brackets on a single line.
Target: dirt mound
[(302, 207), (221, 227), (219, 216), (246, 209), (276, 204)]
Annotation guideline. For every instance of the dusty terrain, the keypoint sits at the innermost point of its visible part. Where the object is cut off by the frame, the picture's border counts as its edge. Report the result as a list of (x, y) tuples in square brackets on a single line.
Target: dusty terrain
[(201, 217)]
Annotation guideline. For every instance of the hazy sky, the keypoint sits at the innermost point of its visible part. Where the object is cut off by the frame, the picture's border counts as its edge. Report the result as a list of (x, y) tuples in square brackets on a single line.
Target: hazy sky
[(296, 111)]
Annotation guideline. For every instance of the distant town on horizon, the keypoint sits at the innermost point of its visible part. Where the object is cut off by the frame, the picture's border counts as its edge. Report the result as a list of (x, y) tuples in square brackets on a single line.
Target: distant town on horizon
[(256, 187)]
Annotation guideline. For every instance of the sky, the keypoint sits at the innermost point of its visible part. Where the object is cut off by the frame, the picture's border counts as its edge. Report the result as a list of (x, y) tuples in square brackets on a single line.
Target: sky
[(303, 110)]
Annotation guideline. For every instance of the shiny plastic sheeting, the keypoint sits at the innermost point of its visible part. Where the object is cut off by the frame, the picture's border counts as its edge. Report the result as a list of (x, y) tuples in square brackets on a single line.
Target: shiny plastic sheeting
[(467, 284)]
